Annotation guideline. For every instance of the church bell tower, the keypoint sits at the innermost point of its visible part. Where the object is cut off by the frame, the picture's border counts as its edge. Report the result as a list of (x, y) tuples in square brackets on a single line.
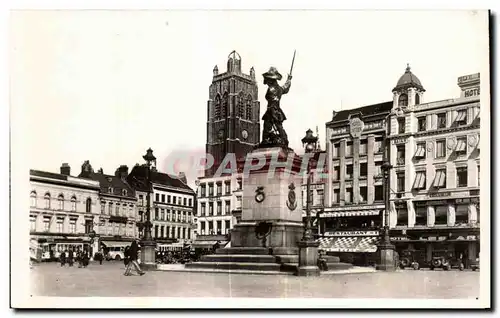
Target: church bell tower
[(233, 116)]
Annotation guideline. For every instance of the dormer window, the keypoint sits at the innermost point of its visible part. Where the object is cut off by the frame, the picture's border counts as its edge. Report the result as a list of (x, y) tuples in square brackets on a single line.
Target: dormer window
[(403, 100), (124, 192), (110, 190)]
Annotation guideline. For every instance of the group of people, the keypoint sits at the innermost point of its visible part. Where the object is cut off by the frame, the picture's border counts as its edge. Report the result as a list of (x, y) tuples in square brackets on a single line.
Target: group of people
[(82, 257)]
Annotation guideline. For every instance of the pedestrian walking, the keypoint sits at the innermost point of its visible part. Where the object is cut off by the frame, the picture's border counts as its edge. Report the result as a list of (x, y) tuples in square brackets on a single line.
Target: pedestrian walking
[(71, 256), (126, 255), (85, 258), (62, 258), (132, 254)]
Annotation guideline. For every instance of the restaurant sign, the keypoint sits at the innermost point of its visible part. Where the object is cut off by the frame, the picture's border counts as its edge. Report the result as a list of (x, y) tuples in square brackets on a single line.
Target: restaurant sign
[(352, 233)]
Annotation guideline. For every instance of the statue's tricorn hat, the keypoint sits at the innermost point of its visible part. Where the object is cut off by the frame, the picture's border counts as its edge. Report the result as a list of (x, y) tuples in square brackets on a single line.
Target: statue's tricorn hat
[(272, 74)]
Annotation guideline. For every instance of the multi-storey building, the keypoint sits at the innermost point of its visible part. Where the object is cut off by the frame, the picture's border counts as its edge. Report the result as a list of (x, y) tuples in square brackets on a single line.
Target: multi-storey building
[(218, 199), (63, 212), (233, 127), (117, 225), (353, 188), (434, 149), (172, 206)]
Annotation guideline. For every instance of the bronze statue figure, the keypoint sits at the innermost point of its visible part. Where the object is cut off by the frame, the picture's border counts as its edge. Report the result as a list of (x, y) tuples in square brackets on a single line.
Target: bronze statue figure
[(273, 132)]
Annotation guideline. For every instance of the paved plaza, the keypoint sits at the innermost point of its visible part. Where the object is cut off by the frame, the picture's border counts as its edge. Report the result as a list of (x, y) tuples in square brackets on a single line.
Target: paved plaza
[(107, 280)]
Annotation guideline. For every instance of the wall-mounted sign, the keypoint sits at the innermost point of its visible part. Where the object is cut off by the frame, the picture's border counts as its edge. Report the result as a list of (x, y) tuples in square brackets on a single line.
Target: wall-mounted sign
[(352, 233), (356, 127), (472, 92), (399, 141), (468, 78), (433, 238), (373, 125), (440, 194), (400, 238)]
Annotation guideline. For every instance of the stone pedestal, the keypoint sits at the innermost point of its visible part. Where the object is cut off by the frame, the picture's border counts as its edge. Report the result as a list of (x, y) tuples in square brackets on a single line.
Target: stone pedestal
[(271, 193), (148, 255), (308, 258), (387, 260)]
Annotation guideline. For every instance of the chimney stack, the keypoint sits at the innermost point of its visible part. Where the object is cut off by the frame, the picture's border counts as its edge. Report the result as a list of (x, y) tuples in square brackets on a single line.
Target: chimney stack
[(182, 177), (122, 172), (65, 169)]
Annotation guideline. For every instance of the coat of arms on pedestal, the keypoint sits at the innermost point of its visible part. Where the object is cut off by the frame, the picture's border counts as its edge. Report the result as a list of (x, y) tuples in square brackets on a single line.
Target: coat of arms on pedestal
[(291, 203), (260, 195)]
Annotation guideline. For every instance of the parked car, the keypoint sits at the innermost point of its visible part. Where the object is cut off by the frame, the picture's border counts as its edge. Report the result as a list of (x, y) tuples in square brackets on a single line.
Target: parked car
[(474, 265), (446, 261), (115, 253), (412, 258)]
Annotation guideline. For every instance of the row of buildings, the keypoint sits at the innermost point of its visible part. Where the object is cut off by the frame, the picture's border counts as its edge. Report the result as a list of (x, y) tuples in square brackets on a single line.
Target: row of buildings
[(433, 148), (98, 211)]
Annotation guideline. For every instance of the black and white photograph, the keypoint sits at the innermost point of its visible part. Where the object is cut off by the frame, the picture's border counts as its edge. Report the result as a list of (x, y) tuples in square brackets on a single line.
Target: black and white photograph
[(250, 158)]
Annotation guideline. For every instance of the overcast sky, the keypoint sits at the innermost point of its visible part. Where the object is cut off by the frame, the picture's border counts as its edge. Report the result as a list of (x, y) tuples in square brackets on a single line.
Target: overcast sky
[(106, 85)]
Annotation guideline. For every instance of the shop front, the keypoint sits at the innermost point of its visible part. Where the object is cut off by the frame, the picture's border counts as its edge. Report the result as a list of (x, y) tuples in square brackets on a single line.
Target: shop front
[(50, 247), (424, 244), (355, 247)]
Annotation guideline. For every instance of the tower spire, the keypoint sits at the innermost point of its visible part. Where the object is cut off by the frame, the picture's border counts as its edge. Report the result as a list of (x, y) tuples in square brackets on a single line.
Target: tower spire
[(317, 136)]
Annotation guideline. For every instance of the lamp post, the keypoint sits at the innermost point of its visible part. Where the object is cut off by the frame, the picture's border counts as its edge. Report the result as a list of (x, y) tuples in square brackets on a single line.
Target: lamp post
[(148, 245), (308, 248), (387, 261)]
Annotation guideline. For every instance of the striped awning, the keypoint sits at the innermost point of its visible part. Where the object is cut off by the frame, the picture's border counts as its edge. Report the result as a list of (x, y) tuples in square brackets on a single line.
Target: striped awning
[(349, 213), (349, 244), (368, 244), (116, 243)]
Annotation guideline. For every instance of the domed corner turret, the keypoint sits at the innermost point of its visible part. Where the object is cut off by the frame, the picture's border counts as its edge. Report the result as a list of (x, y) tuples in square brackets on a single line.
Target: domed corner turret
[(234, 63), (216, 70), (409, 90), (408, 80)]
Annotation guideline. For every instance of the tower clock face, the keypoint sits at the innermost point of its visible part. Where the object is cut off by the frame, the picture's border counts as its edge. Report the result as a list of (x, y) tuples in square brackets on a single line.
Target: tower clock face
[(244, 134), (221, 134)]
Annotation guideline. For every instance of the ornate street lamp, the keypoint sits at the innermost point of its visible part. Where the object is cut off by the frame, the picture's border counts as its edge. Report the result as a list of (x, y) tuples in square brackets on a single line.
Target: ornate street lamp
[(308, 248), (387, 260), (148, 245), (309, 142)]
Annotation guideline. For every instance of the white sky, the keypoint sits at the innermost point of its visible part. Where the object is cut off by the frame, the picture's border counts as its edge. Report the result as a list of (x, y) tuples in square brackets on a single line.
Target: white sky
[(106, 85)]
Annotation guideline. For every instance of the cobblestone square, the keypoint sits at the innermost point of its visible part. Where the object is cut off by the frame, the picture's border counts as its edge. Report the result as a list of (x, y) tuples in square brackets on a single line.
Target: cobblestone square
[(107, 280)]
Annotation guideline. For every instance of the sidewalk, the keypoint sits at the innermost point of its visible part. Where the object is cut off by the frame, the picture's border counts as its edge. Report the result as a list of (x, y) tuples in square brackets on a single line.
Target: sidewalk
[(182, 268)]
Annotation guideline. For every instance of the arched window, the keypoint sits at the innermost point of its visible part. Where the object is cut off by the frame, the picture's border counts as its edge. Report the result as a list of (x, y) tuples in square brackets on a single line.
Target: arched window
[(417, 99), (46, 198), (403, 100), (241, 106), (124, 192), (73, 203), (249, 108), (88, 205), (60, 202), (33, 199), (225, 103), (217, 107)]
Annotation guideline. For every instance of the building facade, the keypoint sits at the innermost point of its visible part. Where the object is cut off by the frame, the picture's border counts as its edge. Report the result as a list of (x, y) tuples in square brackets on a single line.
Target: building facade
[(172, 206), (219, 200), (435, 153), (64, 211), (117, 225), (233, 114), (354, 202)]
